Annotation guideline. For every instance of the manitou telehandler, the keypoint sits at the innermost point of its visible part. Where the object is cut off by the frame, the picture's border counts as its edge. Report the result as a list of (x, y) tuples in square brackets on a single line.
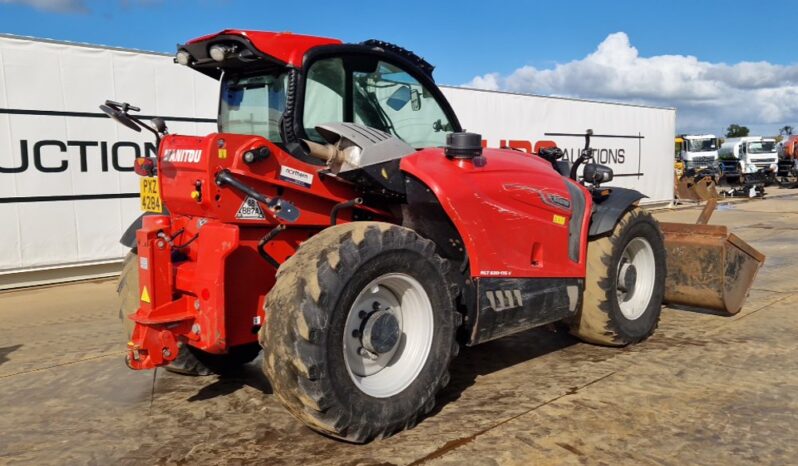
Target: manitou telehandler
[(342, 221)]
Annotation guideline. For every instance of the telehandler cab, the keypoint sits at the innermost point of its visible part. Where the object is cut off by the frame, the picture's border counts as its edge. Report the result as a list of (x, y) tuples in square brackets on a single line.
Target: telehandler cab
[(343, 222)]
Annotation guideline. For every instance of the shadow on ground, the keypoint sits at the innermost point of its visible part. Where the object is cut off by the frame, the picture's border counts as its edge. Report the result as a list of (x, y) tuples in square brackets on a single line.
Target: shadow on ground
[(6, 350)]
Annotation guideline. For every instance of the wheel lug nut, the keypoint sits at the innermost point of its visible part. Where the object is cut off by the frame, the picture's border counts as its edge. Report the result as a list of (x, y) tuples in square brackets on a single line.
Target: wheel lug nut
[(362, 314), (356, 333), (376, 306), (367, 354)]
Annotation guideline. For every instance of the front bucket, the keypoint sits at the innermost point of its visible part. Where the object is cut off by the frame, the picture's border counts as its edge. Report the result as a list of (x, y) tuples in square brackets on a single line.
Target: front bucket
[(701, 189), (708, 267)]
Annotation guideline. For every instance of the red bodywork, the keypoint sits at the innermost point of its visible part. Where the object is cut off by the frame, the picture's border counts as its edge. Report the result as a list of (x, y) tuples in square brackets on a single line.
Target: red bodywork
[(203, 281), (287, 47), (791, 147)]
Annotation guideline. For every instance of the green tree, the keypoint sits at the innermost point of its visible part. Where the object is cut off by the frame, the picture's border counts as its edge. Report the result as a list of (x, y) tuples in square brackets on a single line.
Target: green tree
[(736, 131), (785, 131)]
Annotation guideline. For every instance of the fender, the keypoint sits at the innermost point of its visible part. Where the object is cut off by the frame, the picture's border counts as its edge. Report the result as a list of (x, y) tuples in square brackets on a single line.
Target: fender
[(608, 212), (128, 238)]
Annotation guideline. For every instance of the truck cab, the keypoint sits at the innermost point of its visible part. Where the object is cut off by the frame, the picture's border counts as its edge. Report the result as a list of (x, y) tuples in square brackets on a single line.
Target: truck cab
[(752, 154), (698, 151)]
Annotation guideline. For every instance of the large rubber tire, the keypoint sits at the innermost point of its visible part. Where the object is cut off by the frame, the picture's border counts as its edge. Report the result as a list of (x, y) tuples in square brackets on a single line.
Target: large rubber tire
[(189, 360), (600, 319), (306, 315)]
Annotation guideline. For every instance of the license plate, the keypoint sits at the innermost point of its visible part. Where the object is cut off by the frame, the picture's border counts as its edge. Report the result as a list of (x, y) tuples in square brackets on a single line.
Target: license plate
[(150, 195)]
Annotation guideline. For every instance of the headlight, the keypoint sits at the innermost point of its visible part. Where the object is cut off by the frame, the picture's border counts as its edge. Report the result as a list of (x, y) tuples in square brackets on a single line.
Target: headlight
[(183, 57), (219, 52)]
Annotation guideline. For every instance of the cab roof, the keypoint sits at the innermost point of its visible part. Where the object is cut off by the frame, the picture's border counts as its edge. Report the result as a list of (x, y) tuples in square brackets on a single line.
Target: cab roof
[(286, 47), (279, 48)]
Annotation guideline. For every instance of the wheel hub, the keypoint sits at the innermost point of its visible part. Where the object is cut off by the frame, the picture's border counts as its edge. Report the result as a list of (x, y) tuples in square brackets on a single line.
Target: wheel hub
[(636, 278), (381, 332), (627, 278), (388, 334)]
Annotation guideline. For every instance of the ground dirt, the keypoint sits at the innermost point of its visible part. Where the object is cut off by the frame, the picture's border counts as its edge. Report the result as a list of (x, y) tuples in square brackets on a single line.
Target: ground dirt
[(705, 389)]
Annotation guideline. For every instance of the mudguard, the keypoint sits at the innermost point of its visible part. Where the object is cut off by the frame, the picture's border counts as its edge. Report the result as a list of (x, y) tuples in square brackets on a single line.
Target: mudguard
[(608, 212), (128, 238)]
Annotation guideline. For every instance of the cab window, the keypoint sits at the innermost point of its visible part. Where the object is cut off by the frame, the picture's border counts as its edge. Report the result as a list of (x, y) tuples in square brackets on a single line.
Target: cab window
[(253, 104), (324, 95), (391, 100), (373, 93)]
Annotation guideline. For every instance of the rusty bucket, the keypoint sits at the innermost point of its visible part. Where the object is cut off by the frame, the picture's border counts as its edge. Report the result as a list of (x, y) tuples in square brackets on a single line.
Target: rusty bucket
[(696, 188), (708, 267)]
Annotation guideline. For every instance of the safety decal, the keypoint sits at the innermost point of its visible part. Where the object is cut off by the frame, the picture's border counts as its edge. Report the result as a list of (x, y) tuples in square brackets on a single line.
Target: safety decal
[(250, 210), (558, 219), (292, 175), (222, 154), (145, 296)]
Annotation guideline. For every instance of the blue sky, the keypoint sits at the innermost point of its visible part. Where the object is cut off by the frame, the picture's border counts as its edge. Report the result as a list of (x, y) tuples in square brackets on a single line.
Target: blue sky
[(689, 55)]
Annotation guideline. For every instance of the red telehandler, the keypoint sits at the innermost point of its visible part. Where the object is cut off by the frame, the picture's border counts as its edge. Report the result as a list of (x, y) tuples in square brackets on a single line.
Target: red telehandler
[(343, 222)]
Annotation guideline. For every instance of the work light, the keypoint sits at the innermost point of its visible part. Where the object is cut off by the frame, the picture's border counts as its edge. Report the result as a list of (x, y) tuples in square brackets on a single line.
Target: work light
[(219, 52), (183, 57)]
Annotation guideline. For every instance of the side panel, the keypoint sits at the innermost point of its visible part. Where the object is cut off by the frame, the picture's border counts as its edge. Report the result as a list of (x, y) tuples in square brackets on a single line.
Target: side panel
[(512, 210), (508, 306)]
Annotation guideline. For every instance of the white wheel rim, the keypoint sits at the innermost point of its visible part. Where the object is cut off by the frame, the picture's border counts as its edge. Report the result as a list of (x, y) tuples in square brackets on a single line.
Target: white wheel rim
[(634, 291), (392, 371)]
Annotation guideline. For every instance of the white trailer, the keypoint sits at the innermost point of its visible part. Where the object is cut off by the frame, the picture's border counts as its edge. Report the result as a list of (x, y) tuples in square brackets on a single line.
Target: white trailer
[(67, 191)]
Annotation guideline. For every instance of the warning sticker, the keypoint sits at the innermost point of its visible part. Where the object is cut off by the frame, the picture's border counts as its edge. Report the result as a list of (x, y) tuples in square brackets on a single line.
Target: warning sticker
[(145, 297), (250, 210), (292, 175)]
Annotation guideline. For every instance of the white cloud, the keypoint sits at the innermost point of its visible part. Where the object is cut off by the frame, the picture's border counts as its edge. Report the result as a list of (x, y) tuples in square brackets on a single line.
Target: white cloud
[(708, 96), (58, 6)]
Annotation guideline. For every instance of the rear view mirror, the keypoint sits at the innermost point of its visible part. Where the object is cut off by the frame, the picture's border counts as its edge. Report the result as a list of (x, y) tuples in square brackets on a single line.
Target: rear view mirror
[(159, 124), (400, 98), (415, 100), (121, 117)]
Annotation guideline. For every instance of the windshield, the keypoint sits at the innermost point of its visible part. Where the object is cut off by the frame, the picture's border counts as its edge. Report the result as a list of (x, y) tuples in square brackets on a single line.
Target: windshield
[(701, 145), (391, 100), (376, 94), (253, 104), (761, 147)]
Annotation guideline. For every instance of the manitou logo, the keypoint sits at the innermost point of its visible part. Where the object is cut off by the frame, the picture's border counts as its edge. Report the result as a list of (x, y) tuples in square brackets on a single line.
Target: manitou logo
[(182, 155), (501, 300)]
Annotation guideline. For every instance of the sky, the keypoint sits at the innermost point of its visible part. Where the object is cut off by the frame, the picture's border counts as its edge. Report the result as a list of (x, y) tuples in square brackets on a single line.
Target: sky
[(716, 62)]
